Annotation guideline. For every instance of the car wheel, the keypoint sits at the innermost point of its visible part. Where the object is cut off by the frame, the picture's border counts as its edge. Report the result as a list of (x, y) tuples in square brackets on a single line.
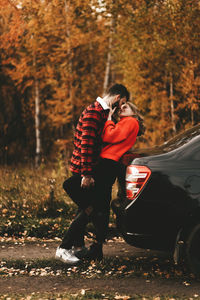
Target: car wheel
[(193, 250)]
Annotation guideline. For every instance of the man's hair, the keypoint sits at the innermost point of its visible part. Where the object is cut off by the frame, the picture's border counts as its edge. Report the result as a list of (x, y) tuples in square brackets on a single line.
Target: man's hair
[(118, 89)]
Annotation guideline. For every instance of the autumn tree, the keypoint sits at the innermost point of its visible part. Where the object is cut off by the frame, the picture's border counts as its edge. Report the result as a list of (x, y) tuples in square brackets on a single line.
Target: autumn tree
[(57, 63), (12, 130), (152, 53), (189, 85), (57, 56)]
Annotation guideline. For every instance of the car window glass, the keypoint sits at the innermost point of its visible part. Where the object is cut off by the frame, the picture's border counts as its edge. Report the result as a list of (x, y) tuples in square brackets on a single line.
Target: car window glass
[(181, 141), (190, 150)]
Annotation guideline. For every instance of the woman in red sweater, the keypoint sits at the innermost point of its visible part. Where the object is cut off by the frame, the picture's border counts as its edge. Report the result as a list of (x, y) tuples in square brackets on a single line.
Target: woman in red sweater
[(122, 135)]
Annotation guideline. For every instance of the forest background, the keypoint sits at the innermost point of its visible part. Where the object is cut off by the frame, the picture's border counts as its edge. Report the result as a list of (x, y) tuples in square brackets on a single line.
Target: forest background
[(57, 56)]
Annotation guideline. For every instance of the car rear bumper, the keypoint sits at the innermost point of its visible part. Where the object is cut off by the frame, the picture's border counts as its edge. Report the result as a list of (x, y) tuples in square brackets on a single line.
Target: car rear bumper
[(138, 239)]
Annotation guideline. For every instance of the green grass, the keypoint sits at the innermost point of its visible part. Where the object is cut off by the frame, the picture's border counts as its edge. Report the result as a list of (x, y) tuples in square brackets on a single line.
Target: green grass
[(28, 191), (33, 202)]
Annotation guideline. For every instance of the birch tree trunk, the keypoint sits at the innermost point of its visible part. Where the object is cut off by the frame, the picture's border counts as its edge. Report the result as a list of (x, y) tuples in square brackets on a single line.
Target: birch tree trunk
[(191, 107), (70, 65), (172, 103), (37, 125), (108, 66), (108, 71), (37, 113), (67, 4), (192, 116)]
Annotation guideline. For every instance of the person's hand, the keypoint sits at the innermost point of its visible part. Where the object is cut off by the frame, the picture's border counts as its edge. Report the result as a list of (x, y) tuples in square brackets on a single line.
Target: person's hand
[(87, 181), (111, 112)]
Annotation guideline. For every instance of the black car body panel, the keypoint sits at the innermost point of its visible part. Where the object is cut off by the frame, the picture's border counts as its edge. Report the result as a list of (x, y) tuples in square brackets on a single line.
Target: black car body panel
[(170, 200)]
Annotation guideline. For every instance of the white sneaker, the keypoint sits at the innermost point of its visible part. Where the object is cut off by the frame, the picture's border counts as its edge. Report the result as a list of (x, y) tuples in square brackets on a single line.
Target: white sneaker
[(66, 256)]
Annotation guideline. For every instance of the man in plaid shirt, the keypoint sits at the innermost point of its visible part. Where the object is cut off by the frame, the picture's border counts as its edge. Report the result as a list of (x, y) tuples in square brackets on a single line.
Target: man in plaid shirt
[(87, 140), (87, 146)]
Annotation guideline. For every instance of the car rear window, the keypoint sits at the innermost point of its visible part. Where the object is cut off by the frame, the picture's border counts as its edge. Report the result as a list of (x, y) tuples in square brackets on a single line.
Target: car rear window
[(172, 144), (181, 139)]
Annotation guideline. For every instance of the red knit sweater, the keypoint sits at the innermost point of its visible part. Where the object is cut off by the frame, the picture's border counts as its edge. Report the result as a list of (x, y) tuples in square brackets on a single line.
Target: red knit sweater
[(120, 137)]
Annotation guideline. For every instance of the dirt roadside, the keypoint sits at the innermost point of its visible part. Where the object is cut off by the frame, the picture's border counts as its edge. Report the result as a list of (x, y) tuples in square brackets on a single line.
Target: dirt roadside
[(63, 283)]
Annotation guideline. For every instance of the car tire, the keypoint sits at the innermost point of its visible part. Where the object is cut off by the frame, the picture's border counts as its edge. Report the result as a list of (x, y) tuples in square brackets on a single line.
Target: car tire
[(192, 250)]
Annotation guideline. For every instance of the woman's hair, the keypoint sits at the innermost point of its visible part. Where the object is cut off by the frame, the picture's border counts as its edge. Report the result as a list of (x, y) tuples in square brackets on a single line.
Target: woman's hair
[(135, 110), (139, 117), (136, 114)]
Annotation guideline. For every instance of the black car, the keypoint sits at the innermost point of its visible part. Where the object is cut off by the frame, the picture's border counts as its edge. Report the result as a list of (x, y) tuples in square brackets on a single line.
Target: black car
[(161, 209)]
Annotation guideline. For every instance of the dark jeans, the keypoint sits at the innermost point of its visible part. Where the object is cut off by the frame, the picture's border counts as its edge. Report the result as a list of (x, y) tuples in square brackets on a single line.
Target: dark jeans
[(98, 197)]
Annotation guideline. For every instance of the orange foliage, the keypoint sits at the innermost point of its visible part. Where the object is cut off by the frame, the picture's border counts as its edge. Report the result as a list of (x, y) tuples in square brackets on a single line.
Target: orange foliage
[(63, 46)]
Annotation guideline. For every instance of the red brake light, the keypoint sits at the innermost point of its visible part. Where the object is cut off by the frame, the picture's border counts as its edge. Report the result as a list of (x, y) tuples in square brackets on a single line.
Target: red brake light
[(136, 177)]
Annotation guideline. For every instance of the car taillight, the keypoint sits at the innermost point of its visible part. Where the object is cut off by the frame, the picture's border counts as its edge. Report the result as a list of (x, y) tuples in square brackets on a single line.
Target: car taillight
[(136, 177)]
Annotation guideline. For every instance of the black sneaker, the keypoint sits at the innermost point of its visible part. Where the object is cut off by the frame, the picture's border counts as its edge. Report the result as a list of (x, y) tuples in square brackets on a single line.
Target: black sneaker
[(94, 252), (80, 252)]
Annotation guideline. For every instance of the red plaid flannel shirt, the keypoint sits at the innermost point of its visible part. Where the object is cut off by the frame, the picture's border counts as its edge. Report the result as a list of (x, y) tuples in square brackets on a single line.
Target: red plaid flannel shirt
[(87, 139)]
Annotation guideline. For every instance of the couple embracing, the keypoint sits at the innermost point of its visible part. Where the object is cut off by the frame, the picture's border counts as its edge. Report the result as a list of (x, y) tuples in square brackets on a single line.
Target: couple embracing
[(99, 144)]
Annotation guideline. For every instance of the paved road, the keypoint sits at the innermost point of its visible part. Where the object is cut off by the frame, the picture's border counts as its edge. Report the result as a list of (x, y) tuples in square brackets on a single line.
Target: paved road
[(138, 285), (46, 250)]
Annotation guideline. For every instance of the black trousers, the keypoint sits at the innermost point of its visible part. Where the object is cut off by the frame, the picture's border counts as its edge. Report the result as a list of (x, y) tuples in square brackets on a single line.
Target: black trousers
[(98, 197)]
